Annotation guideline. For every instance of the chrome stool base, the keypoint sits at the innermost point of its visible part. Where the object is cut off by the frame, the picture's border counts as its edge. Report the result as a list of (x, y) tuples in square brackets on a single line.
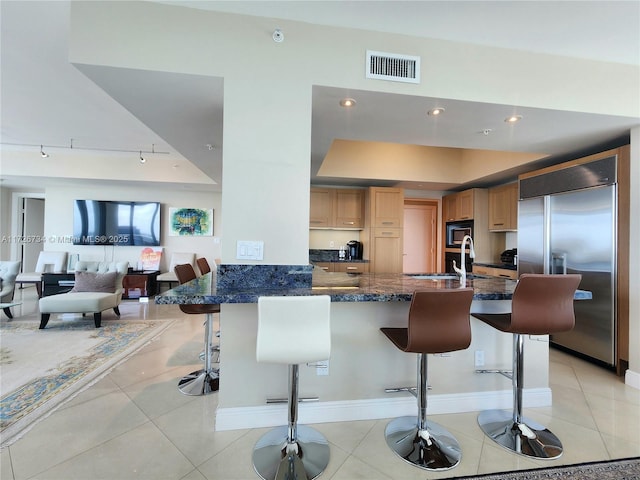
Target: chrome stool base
[(526, 438), (200, 382), (273, 460), (438, 451)]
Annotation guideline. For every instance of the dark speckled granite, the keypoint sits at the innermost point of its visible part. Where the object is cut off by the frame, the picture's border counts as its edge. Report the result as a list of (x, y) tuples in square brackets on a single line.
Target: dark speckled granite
[(263, 276), (371, 288)]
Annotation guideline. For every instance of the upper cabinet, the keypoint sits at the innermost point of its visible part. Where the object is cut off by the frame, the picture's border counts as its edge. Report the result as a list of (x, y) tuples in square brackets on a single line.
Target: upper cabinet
[(387, 207), (459, 206), (336, 208), (503, 208)]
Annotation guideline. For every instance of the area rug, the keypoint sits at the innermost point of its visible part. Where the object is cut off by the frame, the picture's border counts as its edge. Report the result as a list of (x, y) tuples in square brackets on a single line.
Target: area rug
[(625, 469), (41, 369)]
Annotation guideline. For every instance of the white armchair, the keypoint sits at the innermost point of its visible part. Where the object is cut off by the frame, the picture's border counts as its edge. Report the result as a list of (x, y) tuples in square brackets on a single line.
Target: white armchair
[(90, 294), (176, 259), (48, 262), (8, 273)]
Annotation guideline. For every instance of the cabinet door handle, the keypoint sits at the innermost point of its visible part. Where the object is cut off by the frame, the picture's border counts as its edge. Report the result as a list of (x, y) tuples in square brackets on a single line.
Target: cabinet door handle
[(387, 233), (316, 221), (348, 223), (352, 268), (387, 223), (498, 224)]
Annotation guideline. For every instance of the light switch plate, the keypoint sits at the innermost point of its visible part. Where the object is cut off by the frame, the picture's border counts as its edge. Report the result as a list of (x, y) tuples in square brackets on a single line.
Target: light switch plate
[(249, 250)]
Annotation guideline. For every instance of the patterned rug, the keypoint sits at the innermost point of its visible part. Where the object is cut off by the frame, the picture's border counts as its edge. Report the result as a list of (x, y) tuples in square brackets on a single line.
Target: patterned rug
[(41, 369), (626, 469)]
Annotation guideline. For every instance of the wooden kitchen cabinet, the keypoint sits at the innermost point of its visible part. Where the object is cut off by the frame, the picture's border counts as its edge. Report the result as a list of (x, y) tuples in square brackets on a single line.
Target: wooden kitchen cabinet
[(321, 207), (349, 208), (503, 208), (495, 272), (326, 266), (459, 206), (351, 267), (387, 207), (336, 208), (386, 250), (383, 240)]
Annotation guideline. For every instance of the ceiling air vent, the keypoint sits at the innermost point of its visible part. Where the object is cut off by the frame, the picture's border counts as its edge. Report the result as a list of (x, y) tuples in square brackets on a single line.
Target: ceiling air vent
[(393, 66)]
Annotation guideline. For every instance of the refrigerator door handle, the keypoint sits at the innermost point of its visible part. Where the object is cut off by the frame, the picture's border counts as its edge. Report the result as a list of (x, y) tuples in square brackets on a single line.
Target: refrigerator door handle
[(558, 260)]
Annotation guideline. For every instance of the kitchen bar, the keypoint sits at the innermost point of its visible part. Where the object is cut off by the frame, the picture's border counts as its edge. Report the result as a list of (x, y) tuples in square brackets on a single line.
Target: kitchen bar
[(362, 363)]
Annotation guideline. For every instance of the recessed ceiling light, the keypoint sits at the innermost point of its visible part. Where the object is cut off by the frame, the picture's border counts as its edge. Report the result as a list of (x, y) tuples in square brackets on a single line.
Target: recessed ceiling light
[(347, 102), (513, 118), (436, 111)]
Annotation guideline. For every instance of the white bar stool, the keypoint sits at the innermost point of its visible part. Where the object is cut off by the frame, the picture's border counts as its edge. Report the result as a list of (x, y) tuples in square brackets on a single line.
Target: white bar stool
[(292, 330), (541, 305)]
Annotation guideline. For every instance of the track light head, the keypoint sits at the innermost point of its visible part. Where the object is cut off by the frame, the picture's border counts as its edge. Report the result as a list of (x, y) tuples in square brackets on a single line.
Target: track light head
[(42, 152), (142, 159)]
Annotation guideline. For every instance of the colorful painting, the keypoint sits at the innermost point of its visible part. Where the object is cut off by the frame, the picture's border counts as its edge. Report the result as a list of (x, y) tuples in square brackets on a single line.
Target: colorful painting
[(150, 259), (190, 222)]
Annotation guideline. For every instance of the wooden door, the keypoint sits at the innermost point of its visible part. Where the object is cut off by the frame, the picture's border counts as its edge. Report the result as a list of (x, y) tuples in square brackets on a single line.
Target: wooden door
[(420, 238)]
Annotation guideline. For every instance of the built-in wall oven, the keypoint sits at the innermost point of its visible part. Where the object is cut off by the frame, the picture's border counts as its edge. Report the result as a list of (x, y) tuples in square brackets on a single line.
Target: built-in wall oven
[(456, 232)]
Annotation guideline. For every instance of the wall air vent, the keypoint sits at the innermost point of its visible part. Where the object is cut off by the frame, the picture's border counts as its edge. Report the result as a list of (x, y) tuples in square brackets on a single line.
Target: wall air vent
[(393, 66)]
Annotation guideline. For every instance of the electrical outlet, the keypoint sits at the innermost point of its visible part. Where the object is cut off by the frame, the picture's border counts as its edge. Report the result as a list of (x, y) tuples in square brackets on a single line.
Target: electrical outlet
[(322, 367), (331, 244), (479, 358)]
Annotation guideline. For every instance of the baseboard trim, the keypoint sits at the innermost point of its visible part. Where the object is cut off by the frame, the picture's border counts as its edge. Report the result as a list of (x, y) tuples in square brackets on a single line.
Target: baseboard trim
[(632, 379), (236, 418)]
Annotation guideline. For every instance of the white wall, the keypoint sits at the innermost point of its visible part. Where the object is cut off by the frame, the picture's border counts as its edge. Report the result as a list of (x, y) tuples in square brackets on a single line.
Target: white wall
[(59, 221)]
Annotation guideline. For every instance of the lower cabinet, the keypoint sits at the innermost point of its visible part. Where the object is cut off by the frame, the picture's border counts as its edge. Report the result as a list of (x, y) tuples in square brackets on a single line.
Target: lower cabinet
[(343, 267), (495, 272)]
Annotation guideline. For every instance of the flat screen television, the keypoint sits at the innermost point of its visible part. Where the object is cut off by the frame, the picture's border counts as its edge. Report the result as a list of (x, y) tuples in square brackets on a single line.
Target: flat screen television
[(110, 222)]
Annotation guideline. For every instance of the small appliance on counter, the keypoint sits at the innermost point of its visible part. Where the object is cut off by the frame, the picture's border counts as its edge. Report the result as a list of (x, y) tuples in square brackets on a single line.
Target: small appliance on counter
[(354, 250), (509, 257)]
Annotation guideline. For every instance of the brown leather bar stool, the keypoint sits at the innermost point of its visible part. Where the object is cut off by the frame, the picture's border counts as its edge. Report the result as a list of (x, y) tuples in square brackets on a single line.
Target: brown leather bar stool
[(541, 305), (438, 323), (203, 265), (207, 379)]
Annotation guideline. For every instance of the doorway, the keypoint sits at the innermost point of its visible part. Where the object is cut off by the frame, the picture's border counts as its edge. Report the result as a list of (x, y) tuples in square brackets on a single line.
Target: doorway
[(27, 223), (420, 236)]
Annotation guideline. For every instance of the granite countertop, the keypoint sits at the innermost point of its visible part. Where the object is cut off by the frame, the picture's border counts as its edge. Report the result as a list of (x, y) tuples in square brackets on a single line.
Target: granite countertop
[(365, 287)]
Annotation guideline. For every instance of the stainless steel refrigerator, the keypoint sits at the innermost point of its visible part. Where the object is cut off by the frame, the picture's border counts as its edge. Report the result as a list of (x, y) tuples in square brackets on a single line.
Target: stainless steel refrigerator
[(567, 224)]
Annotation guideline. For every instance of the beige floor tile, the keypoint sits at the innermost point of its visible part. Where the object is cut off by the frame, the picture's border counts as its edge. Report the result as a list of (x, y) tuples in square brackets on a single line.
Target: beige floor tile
[(616, 418), (194, 475), (142, 453), (6, 470), (104, 386), (191, 429), (355, 469), (570, 405), (159, 395), (71, 431), (346, 435), (620, 448)]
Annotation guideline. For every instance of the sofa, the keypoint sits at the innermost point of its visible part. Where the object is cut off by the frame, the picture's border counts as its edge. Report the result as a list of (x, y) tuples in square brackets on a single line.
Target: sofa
[(98, 287)]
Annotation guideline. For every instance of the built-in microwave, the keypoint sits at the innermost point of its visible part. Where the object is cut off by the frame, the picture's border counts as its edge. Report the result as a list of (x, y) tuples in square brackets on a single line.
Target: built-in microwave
[(456, 232)]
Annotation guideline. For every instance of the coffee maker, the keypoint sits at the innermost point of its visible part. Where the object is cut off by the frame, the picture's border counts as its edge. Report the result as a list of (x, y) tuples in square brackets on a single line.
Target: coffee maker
[(354, 250)]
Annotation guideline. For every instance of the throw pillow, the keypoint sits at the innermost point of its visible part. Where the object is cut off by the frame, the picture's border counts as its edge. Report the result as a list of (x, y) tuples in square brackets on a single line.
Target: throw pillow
[(95, 282)]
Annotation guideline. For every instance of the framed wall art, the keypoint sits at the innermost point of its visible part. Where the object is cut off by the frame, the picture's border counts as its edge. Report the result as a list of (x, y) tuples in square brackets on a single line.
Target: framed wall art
[(194, 222)]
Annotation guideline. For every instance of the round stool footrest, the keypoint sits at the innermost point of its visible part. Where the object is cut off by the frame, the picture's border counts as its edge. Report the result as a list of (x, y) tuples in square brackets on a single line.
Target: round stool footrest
[(200, 382), (269, 454), (440, 452), (527, 438)]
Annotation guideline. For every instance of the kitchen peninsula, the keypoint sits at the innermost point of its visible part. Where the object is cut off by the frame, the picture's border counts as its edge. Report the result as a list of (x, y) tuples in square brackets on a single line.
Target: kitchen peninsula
[(363, 363)]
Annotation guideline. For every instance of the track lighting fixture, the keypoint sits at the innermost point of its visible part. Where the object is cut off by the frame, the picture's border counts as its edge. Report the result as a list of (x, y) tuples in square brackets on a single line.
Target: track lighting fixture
[(71, 146)]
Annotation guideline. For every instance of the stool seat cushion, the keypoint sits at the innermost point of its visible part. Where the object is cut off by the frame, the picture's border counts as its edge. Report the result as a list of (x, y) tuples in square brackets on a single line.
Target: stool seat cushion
[(398, 336), (293, 330), (78, 302)]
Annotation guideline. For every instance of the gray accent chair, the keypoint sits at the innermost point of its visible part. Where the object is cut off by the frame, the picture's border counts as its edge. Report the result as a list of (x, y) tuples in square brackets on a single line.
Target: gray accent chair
[(8, 273), (87, 301)]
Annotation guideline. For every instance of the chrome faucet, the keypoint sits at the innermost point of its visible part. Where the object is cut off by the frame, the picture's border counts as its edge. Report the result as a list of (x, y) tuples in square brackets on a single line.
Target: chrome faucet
[(472, 254)]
